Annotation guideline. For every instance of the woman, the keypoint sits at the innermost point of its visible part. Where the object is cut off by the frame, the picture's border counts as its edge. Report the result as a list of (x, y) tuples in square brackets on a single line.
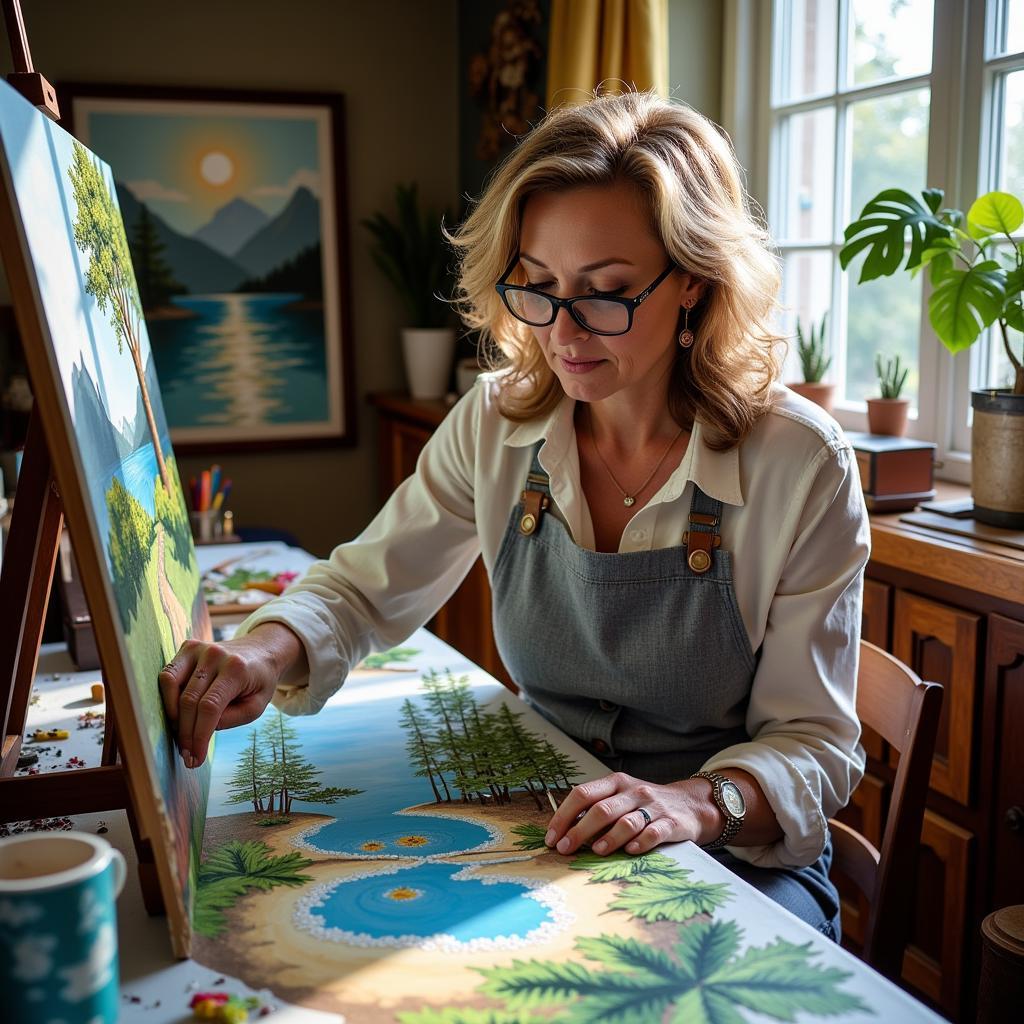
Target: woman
[(675, 543)]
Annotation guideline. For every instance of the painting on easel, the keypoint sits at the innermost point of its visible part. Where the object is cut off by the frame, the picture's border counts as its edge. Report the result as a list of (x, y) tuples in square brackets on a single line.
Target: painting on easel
[(78, 306)]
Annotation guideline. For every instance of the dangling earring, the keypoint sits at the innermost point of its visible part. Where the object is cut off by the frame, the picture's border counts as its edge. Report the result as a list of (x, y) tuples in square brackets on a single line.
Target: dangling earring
[(686, 335)]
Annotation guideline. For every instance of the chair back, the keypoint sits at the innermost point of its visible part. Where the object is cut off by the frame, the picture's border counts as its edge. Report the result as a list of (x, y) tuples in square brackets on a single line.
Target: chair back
[(904, 710)]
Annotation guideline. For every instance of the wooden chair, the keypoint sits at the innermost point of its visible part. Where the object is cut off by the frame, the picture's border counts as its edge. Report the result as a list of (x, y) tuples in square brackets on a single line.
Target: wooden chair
[(892, 700)]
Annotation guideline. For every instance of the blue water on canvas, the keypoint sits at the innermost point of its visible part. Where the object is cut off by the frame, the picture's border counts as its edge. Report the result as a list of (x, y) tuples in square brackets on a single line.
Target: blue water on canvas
[(427, 900), (359, 745), (241, 359)]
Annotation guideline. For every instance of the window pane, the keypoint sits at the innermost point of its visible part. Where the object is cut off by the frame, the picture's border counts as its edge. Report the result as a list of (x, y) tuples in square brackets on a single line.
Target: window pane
[(890, 39), (884, 317), (1011, 141), (807, 48), (807, 176), (1012, 27), (889, 146), (807, 294)]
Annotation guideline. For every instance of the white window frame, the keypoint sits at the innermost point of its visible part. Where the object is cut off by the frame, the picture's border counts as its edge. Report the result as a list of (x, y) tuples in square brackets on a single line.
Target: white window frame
[(959, 157)]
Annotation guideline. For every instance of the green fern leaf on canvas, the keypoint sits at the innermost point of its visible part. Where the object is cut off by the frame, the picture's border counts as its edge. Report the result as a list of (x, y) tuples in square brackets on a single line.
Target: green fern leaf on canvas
[(703, 981), (660, 897), (531, 837), (618, 867), (252, 862), (468, 1015)]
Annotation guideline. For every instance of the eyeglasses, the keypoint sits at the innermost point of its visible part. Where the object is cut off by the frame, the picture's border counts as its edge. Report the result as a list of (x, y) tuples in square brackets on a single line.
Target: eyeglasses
[(599, 315)]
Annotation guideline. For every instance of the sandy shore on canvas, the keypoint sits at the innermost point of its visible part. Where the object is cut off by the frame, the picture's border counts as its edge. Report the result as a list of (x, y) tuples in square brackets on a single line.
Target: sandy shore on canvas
[(264, 946)]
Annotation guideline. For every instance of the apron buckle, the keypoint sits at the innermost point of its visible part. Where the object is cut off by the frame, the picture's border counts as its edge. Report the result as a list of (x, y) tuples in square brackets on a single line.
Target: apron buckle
[(534, 503)]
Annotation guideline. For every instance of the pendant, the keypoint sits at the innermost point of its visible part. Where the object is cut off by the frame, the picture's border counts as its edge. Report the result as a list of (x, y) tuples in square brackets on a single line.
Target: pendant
[(627, 501)]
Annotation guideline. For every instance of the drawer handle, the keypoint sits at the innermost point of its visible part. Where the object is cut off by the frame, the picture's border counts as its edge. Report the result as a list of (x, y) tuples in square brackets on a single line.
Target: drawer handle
[(1015, 819)]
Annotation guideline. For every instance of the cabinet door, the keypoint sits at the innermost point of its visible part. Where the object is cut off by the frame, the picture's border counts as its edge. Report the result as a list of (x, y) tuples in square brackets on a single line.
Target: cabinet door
[(933, 963), (865, 812), (1004, 684), (940, 644), (874, 628)]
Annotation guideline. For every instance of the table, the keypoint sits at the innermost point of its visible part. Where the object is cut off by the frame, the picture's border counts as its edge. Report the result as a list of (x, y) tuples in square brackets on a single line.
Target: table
[(316, 931)]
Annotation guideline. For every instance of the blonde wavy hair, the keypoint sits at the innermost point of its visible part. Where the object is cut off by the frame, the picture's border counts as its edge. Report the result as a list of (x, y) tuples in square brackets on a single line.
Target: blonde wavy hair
[(686, 171)]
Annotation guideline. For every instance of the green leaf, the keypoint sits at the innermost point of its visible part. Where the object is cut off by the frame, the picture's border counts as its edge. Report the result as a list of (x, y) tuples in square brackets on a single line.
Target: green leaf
[(631, 955), (965, 302), (704, 947), (701, 1006), (535, 982), (662, 898), (1013, 314), (619, 866), (883, 225), (779, 981), (531, 837), (933, 198), (623, 1003), (468, 1015), (995, 212)]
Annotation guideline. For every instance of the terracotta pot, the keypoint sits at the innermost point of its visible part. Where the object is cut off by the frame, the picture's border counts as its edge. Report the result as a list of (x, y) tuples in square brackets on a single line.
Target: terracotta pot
[(888, 416), (997, 458), (818, 392)]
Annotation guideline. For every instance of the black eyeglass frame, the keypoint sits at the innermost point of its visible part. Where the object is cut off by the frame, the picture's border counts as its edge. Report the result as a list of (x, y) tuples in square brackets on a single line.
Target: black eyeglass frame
[(567, 304)]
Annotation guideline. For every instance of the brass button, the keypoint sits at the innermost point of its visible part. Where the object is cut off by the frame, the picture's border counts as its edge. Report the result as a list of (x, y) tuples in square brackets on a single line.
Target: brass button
[(699, 560), (528, 523), (599, 746), (607, 705)]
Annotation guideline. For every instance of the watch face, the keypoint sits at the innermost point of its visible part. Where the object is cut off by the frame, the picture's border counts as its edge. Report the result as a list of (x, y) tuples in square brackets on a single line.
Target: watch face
[(733, 799)]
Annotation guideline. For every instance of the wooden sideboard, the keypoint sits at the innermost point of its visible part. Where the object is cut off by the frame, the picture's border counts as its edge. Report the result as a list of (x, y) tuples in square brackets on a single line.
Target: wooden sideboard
[(953, 609)]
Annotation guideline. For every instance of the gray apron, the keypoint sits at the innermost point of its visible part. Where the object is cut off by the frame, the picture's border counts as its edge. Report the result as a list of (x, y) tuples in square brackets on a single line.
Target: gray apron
[(641, 657)]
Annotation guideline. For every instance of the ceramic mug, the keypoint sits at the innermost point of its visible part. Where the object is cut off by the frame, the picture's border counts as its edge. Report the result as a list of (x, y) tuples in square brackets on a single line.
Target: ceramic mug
[(58, 929)]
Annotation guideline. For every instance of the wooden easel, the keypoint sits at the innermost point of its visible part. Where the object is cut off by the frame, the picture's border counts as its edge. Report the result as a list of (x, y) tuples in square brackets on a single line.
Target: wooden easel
[(25, 581)]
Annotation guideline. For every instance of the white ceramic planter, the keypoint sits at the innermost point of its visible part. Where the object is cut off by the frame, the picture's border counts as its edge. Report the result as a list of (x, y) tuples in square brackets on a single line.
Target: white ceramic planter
[(428, 356)]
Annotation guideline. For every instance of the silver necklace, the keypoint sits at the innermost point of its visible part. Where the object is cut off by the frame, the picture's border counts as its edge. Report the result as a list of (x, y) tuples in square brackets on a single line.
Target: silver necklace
[(627, 498)]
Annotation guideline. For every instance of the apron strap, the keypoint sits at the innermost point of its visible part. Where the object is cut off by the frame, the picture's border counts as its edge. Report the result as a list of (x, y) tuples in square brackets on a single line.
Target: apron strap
[(702, 537), (537, 495)]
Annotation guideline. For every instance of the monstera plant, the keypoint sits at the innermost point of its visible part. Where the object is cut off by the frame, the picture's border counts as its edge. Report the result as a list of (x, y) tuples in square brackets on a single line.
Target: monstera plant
[(976, 270)]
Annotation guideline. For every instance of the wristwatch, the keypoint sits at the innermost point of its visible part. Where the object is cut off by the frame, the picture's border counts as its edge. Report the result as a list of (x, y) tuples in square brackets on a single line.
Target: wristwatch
[(729, 798)]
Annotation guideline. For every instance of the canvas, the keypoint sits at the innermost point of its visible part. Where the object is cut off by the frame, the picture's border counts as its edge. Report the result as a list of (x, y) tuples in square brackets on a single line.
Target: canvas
[(91, 364), (384, 860), (234, 210)]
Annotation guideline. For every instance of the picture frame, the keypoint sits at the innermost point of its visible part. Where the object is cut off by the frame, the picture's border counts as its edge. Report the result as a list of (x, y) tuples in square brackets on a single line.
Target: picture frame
[(235, 205)]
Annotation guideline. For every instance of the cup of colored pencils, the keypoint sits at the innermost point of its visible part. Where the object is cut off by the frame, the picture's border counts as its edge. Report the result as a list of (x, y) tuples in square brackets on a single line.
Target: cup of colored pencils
[(209, 492)]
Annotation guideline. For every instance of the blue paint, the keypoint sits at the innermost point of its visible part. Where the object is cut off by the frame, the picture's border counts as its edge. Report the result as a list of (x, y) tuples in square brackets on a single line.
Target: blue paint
[(465, 908)]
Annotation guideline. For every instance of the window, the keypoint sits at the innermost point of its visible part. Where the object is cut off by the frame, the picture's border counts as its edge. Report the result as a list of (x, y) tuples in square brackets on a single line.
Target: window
[(854, 96)]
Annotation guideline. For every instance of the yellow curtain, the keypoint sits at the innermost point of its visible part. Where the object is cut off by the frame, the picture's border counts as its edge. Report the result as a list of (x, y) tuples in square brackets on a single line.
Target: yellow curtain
[(620, 43)]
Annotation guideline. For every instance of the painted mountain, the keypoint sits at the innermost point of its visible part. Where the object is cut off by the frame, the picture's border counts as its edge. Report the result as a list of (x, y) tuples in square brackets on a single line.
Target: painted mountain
[(231, 227), (294, 229)]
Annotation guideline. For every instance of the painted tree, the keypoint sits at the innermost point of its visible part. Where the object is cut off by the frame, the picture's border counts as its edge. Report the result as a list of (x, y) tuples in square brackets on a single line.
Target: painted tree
[(152, 271), (420, 748), (292, 776), (99, 233), (171, 511), (131, 543), (251, 780)]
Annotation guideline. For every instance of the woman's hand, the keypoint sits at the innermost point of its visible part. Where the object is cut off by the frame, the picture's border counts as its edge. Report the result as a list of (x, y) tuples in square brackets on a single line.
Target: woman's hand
[(611, 805), (210, 686)]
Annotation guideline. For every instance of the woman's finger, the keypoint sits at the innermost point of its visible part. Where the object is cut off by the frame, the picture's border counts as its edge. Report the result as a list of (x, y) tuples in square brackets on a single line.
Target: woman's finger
[(202, 676), (628, 827), (599, 818), (175, 674), (215, 700), (659, 831), (579, 800)]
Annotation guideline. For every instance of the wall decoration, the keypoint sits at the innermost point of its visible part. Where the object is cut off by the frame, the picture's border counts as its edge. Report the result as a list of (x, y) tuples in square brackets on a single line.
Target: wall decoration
[(235, 209)]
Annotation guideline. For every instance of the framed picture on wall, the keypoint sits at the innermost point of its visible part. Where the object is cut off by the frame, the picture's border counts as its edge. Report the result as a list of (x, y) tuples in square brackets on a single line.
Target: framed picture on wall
[(235, 209)]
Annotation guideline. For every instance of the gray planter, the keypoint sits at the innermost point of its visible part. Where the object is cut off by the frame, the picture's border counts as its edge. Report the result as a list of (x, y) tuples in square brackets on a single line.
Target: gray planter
[(997, 458)]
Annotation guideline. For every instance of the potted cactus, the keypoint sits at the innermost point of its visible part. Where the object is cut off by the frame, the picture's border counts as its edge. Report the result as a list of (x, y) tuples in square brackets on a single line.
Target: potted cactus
[(976, 269), (888, 413), (814, 364)]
